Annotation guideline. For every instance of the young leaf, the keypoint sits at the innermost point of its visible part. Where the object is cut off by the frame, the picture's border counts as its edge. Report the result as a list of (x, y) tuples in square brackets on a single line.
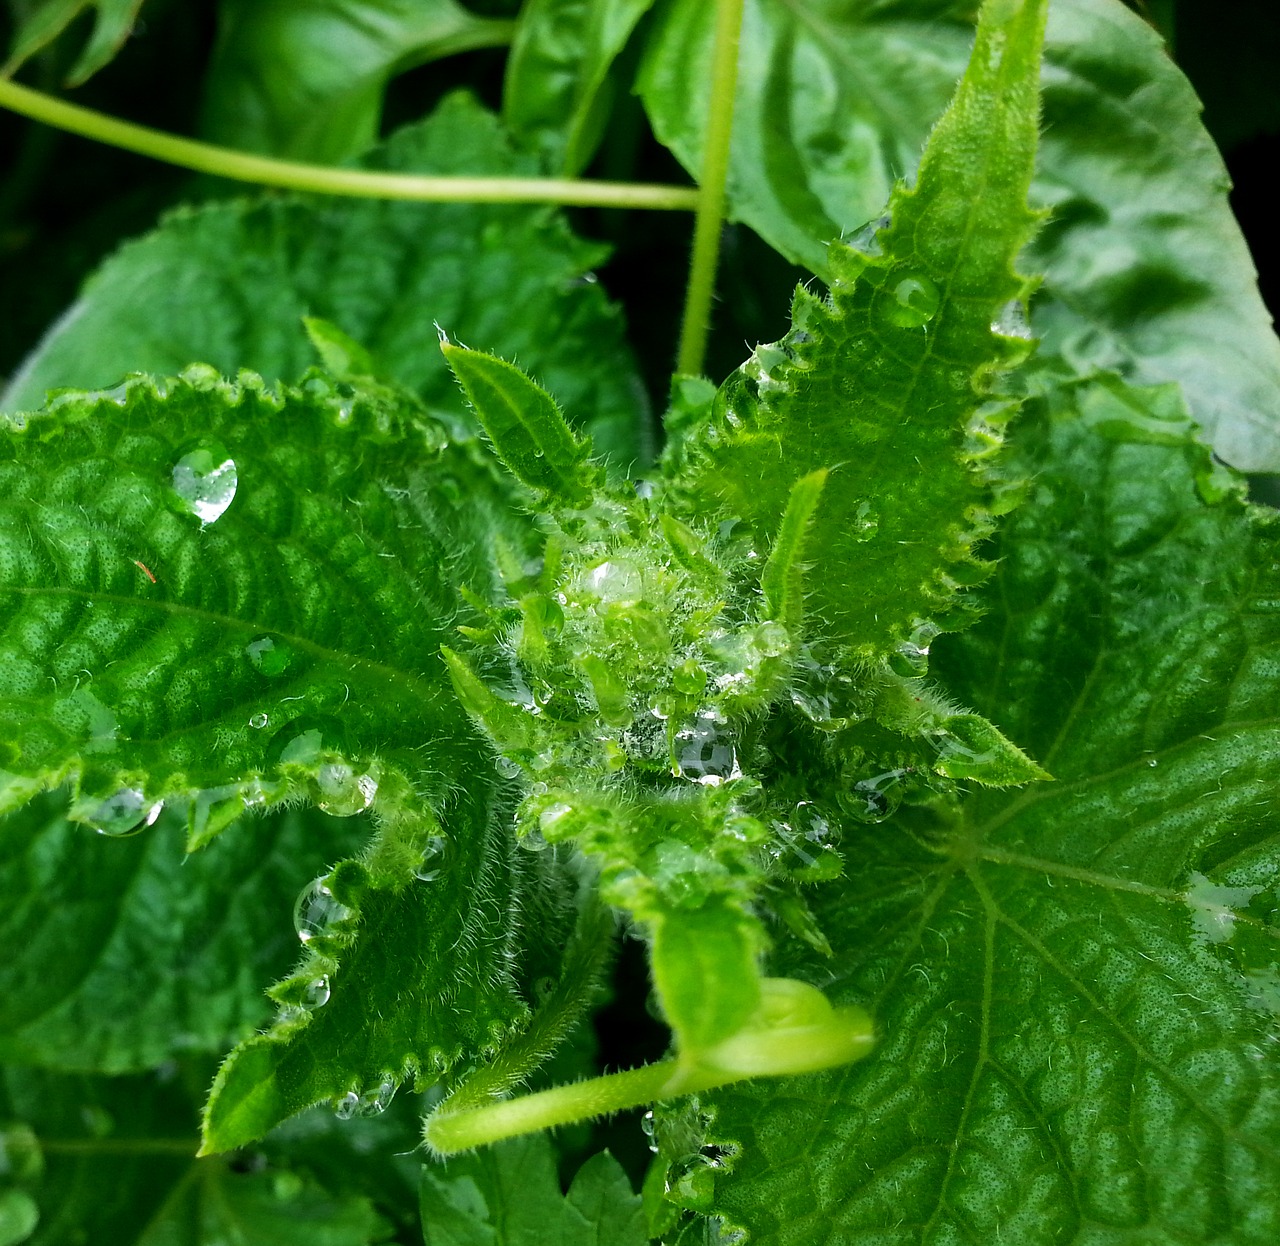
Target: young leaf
[(1143, 260), (882, 384), (44, 21), (1075, 984), (122, 954), (509, 1195), (305, 79), (556, 93), (229, 283)]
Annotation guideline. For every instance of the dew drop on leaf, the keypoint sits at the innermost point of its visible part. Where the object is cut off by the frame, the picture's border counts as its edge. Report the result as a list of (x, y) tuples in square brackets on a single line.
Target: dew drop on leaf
[(618, 581), (431, 864), (1012, 321), (346, 1107), (126, 812), (865, 524), (205, 481), (912, 302), (269, 656), (375, 1102), (341, 792), (316, 912), (316, 994), (707, 755), (258, 721)]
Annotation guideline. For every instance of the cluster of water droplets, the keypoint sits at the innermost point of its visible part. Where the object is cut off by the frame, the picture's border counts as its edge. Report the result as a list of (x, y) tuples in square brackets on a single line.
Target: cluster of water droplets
[(367, 1102)]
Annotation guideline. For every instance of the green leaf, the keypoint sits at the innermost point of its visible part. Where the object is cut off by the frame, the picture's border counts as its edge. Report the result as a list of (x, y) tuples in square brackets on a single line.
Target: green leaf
[(45, 21), (526, 427), (305, 79), (120, 955), (1075, 985), (509, 1195), (883, 383), (558, 90), (1144, 264), (228, 284), (112, 1162)]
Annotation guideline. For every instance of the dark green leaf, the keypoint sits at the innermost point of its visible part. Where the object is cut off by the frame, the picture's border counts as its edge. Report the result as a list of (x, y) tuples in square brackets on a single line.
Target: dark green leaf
[(509, 1195), (118, 955), (229, 284), (1145, 267), (44, 21), (305, 79), (558, 90), (1075, 985)]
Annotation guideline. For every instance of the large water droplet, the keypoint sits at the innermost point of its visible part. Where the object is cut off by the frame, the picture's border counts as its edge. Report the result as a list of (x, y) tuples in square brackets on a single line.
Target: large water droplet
[(375, 1102), (618, 581), (865, 239), (771, 639), (707, 754), (912, 302), (127, 812), (864, 523), (258, 721), (316, 994), (432, 861), (346, 1107), (342, 792), (316, 913), (205, 481), (875, 799), (271, 657), (689, 678)]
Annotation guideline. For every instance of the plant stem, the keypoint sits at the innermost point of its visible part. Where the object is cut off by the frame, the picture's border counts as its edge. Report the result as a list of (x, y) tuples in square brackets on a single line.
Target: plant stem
[(715, 169), (328, 180)]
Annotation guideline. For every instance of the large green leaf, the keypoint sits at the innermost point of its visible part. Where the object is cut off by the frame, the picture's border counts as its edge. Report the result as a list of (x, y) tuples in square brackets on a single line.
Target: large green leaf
[(557, 90), (44, 21), (1146, 270), (885, 383), (112, 1162), (1075, 985), (305, 79), (228, 285), (116, 955), (509, 1195)]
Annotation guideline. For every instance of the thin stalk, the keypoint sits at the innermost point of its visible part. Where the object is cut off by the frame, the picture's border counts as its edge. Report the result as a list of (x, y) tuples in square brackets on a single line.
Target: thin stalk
[(327, 180), (715, 170)]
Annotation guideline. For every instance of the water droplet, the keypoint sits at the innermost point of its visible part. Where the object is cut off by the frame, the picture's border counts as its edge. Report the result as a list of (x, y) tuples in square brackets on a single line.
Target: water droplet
[(1151, 761), (346, 1107), (432, 862), (874, 799), (258, 721), (375, 1102), (808, 822), (689, 678), (771, 639), (912, 302), (317, 914), (864, 523), (650, 1131), (270, 656), (707, 755), (865, 239), (205, 481), (127, 812), (1012, 321), (341, 792), (618, 581), (912, 656), (316, 994)]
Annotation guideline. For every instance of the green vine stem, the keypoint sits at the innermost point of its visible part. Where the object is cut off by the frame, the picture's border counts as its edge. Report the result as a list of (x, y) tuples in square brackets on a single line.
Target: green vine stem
[(327, 180), (715, 170), (796, 1031)]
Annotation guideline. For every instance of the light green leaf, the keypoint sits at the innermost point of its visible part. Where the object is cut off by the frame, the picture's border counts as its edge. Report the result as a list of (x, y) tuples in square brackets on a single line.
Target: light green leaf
[(112, 1162), (305, 79), (883, 383), (509, 1195), (43, 22), (1075, 985), (228, 284), (121, 954), (1145, 267), (557, 91)]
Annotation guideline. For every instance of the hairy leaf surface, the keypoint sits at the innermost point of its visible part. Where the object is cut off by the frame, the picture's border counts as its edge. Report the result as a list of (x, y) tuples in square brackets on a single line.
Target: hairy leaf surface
[(882, 384), (1075, 985), (509, 1195), (117, 955), (557, 91), (305, 79), (228, 284), (1146, 270), (44, 21)]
